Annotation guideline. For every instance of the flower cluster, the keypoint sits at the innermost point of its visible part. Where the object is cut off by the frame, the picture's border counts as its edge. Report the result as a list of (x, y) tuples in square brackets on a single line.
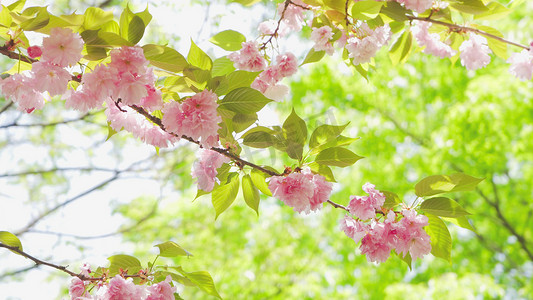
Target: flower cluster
[(195, 117), (60, 50), (431, 41), (293, 19), (475, 52), (268, 81), (419, 6), (303, 191), (322, 36), (248, 58), (367, 42), (402, 232), (205, 168), (120, 288), (522, 64)]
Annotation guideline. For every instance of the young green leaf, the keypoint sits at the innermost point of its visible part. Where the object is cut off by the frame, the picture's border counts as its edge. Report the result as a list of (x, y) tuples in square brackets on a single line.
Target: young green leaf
[(171, 249), (165, 58), (391, 199), (198, 58), (259, 181), (11, 240), (322, 170), (124, 262), (244, 100), (203, 280), (366, 9), (438, 184), (222, 66), (250, 193), (313, 56), (441, 240), (229, 40), (443, 207), (399, 52), (325, 133), (337, 156), (224, 195), (461, 222)]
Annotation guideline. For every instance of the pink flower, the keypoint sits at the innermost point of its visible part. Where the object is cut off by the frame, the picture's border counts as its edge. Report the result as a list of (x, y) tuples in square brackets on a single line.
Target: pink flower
[(365, 207), (18, 88), (128, 59), (195, 117), (267, 27), (522, 64), (153, 100), (161, 290), (363, 49), (475, 52), (287, 64), (355, 230), (295, 190), (101, 82), (205, 168), (276, 92), (49, 77), (431, 41), (63, 47), (419, 6), (305, 191), (293, 17), (119, 288), (248, 58), (34, 51), (132, 88), (321, 37), (76, 288), (375, 245), (411, 236), (82, 100)]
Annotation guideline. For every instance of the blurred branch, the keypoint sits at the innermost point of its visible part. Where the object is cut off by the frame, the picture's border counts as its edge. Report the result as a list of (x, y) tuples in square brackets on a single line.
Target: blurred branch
[(6, 107), (81, 118), (38, 172), (19, 271), (149, 215)]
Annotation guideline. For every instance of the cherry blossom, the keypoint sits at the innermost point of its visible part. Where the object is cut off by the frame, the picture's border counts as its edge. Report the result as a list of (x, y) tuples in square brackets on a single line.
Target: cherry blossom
[(321, 36), (522, 64), (362, 49), (431, 41), (19, 89), (76, 288), (161, 290), (63, 47), (365, 207), (35, 51), (119, 288), (354, 229), (293, 18), (205, 168), (248, 58), (475, 52), (195, 117), (419, 6), (49, 77)]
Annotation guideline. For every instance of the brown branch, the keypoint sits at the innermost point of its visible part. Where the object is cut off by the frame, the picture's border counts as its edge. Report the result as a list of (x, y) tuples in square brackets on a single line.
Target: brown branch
[(81, 118), (14, 55), (6, 107), (456, 27)]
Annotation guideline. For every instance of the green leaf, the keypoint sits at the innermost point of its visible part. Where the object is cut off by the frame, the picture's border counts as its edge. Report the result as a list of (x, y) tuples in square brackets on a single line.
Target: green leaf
[(366, 10), (438, 184), (198, 58), (244, 100), (124, 262), (259, 137), (222, 66), (250, 193), (110, 131), (94, 17), (171, 249), (443, 207), (399, 52), (441, 240), (203, 280), (113, 39), (224, 195), (498, 47), (38, 17), (295, 128), (17, 6), (325, 133), (259, 181), (11, 240), (322, 170), (313, 56), (165, 58), (229, 40), (337, 5), (469, 6), (395, 11), (339, 141), (135, 30), (407, 258), (495, 11), (176, 277), (461, 222), (243, 121), (391, 199), (337, 156), (240, 78)]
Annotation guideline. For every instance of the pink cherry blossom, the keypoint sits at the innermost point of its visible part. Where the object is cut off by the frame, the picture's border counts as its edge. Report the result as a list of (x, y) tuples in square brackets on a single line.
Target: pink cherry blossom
[(119, 288), (132, 88), (321, 36), (195, 117), (101, 82), (76, 288), (205, 168), (287, 64), (248, 58), (128, 59), (49, 77), (375, 245), (362, 49), (522, 64), (355, 230), (161, 290), (419, 6), (267, 27), (82, 100), (411, 236), (475, 52), (322, 189), (34, 51), (276, 92), (63, 47), (19, 89), (431, 41), (365, 207), (153, 100), (295, 190), (293, 17)]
